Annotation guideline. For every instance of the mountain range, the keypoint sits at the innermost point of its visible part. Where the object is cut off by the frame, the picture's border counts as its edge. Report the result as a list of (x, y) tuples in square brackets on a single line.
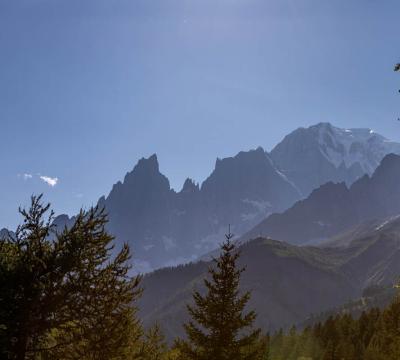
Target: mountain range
[(167, 227), (289, 284), (316, 219), (333, 208)]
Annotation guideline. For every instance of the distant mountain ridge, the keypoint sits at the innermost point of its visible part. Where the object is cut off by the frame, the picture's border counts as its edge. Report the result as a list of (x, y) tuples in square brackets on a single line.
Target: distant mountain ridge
[(333, 208), (166, 227), (288, 282), (282, 278), (5, 234)]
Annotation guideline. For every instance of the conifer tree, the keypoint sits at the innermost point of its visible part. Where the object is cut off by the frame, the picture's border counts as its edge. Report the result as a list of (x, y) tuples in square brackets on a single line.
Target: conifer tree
[(154, 345), (219, 329), (63, 295), (385, 344), (28, 271), (105, 323)]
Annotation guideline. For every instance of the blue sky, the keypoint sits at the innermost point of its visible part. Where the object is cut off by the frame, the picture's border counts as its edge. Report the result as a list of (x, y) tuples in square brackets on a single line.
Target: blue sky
[(87, 87)]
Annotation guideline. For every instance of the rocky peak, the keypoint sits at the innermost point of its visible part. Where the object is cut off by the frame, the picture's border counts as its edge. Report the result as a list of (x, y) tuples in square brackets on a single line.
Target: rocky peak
[(146, 174), (144, 167), (251, 158), (190, 186)]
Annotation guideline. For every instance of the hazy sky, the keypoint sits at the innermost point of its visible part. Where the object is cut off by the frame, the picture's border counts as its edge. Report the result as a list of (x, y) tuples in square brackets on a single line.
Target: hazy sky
[(88, 87)]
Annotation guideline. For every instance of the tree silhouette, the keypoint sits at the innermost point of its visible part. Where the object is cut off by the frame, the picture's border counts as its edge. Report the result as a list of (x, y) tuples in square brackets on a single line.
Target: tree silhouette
[(63, 295), (218, 327)]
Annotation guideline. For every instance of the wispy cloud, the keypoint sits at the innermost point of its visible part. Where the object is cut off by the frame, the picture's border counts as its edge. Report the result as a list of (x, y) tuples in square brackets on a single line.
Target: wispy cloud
[(49, 180), (25, 176)]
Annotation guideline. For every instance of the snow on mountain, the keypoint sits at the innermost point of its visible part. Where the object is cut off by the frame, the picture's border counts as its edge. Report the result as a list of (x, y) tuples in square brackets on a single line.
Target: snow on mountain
[(354, 146), (387, 222), (313, 156)]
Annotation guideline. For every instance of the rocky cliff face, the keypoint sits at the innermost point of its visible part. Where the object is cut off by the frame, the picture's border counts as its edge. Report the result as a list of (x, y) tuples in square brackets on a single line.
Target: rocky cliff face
[(313, 156), (166, 227)]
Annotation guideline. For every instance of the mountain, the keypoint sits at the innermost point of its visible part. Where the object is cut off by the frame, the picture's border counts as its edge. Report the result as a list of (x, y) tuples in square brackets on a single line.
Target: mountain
[(373, 255), (243, 188), (372, 298), (5, 233), (333, 208), (288, 282), (313, 156), (167, 227)]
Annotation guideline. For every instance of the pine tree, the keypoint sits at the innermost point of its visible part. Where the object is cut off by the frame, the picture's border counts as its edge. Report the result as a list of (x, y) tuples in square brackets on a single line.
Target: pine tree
[(63, 295), (28, 270), (276, 345), (218, 327), (154, 345), (105, 323), (385, 344)]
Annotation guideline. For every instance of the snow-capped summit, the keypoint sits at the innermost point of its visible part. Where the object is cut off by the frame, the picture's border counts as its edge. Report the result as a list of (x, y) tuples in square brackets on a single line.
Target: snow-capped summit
[(354, 146), (312, 156)]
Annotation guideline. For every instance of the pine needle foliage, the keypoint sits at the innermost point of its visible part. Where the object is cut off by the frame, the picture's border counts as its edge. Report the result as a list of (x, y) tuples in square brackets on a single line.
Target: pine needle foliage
[(154, 345), (68, 294), (219, 328)]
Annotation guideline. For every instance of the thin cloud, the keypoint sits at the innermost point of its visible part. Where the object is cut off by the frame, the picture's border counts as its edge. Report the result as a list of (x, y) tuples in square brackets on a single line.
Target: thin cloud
[(25, 176), (49, 180)]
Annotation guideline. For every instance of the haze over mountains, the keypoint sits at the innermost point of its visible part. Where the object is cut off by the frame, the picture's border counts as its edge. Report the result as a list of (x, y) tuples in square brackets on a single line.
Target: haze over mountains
[(166, 227), (318, 220), (288, 282), (172, 227), (332, 208)]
